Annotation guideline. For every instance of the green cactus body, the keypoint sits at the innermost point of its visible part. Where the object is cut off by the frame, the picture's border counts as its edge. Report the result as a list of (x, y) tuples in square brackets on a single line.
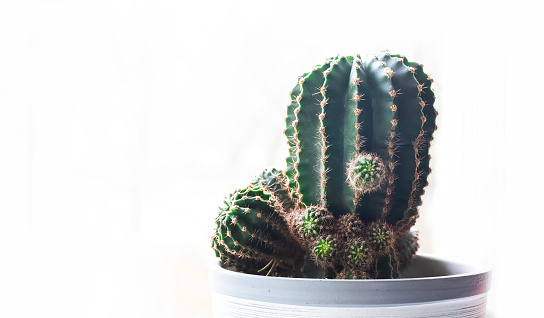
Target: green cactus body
[(380, 105), (300, 120), (381, 237), (357, 254), (389, 265), (324, 250), (310, 224), (314, 221), (406, 246), (274, 182), (251, 231), (359, 133)]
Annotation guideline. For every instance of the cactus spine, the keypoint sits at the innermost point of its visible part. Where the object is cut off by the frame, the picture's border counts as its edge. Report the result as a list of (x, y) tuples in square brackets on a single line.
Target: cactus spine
[(359, 133)]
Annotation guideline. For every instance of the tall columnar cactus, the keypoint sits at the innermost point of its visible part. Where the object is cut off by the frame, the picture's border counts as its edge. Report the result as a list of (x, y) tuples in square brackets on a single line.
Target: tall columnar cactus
[(368, 121), (359, 132)]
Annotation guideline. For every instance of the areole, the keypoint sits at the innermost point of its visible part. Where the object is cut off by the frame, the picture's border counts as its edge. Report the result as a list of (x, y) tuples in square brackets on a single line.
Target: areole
[(430, 287)]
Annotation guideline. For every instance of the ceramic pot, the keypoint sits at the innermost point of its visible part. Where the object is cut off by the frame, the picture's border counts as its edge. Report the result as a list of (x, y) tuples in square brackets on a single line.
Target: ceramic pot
[(431, 287)]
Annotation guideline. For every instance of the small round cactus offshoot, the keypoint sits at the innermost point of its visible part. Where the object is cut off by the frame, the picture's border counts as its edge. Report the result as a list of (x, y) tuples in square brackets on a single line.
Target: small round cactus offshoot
[(366, 173), (380, 236), (325, 248), (357, 254), (308, 226), (313, 221)]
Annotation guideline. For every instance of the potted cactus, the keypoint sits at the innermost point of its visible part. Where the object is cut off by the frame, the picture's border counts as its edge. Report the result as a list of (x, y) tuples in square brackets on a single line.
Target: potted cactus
[(335, 228)]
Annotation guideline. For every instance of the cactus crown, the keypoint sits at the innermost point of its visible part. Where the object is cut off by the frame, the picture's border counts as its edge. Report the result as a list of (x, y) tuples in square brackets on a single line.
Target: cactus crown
[(359, 132)]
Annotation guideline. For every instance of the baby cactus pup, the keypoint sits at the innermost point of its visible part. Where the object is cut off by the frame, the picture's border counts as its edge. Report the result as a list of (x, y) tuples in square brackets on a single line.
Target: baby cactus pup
[(357, 254), (366, 173), (359, 131), (314, 221), (381, 236), (324, 250), (309, 225), (351, 226)]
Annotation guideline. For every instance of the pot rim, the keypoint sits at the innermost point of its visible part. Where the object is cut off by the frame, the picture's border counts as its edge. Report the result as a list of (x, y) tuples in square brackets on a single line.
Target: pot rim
[(462, 280)]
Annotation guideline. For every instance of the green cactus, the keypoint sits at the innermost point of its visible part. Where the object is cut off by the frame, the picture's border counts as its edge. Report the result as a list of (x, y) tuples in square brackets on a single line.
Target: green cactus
[(381, 236), (380, 107), (357, 254), (389, 265), (315, 220), (359, 133), (324, 250), (366, 174), (251, 232)]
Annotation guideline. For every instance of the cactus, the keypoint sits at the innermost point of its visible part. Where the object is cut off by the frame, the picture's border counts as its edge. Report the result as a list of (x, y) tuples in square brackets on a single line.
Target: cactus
[(375, 112), (359, 132), (251, 232)]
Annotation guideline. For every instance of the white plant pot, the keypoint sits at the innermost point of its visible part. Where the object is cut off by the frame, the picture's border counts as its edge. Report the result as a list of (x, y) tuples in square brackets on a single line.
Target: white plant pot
[(430, 287)]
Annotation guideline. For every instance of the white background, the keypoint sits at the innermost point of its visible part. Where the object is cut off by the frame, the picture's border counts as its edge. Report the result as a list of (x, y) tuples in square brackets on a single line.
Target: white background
[(123, 124)]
